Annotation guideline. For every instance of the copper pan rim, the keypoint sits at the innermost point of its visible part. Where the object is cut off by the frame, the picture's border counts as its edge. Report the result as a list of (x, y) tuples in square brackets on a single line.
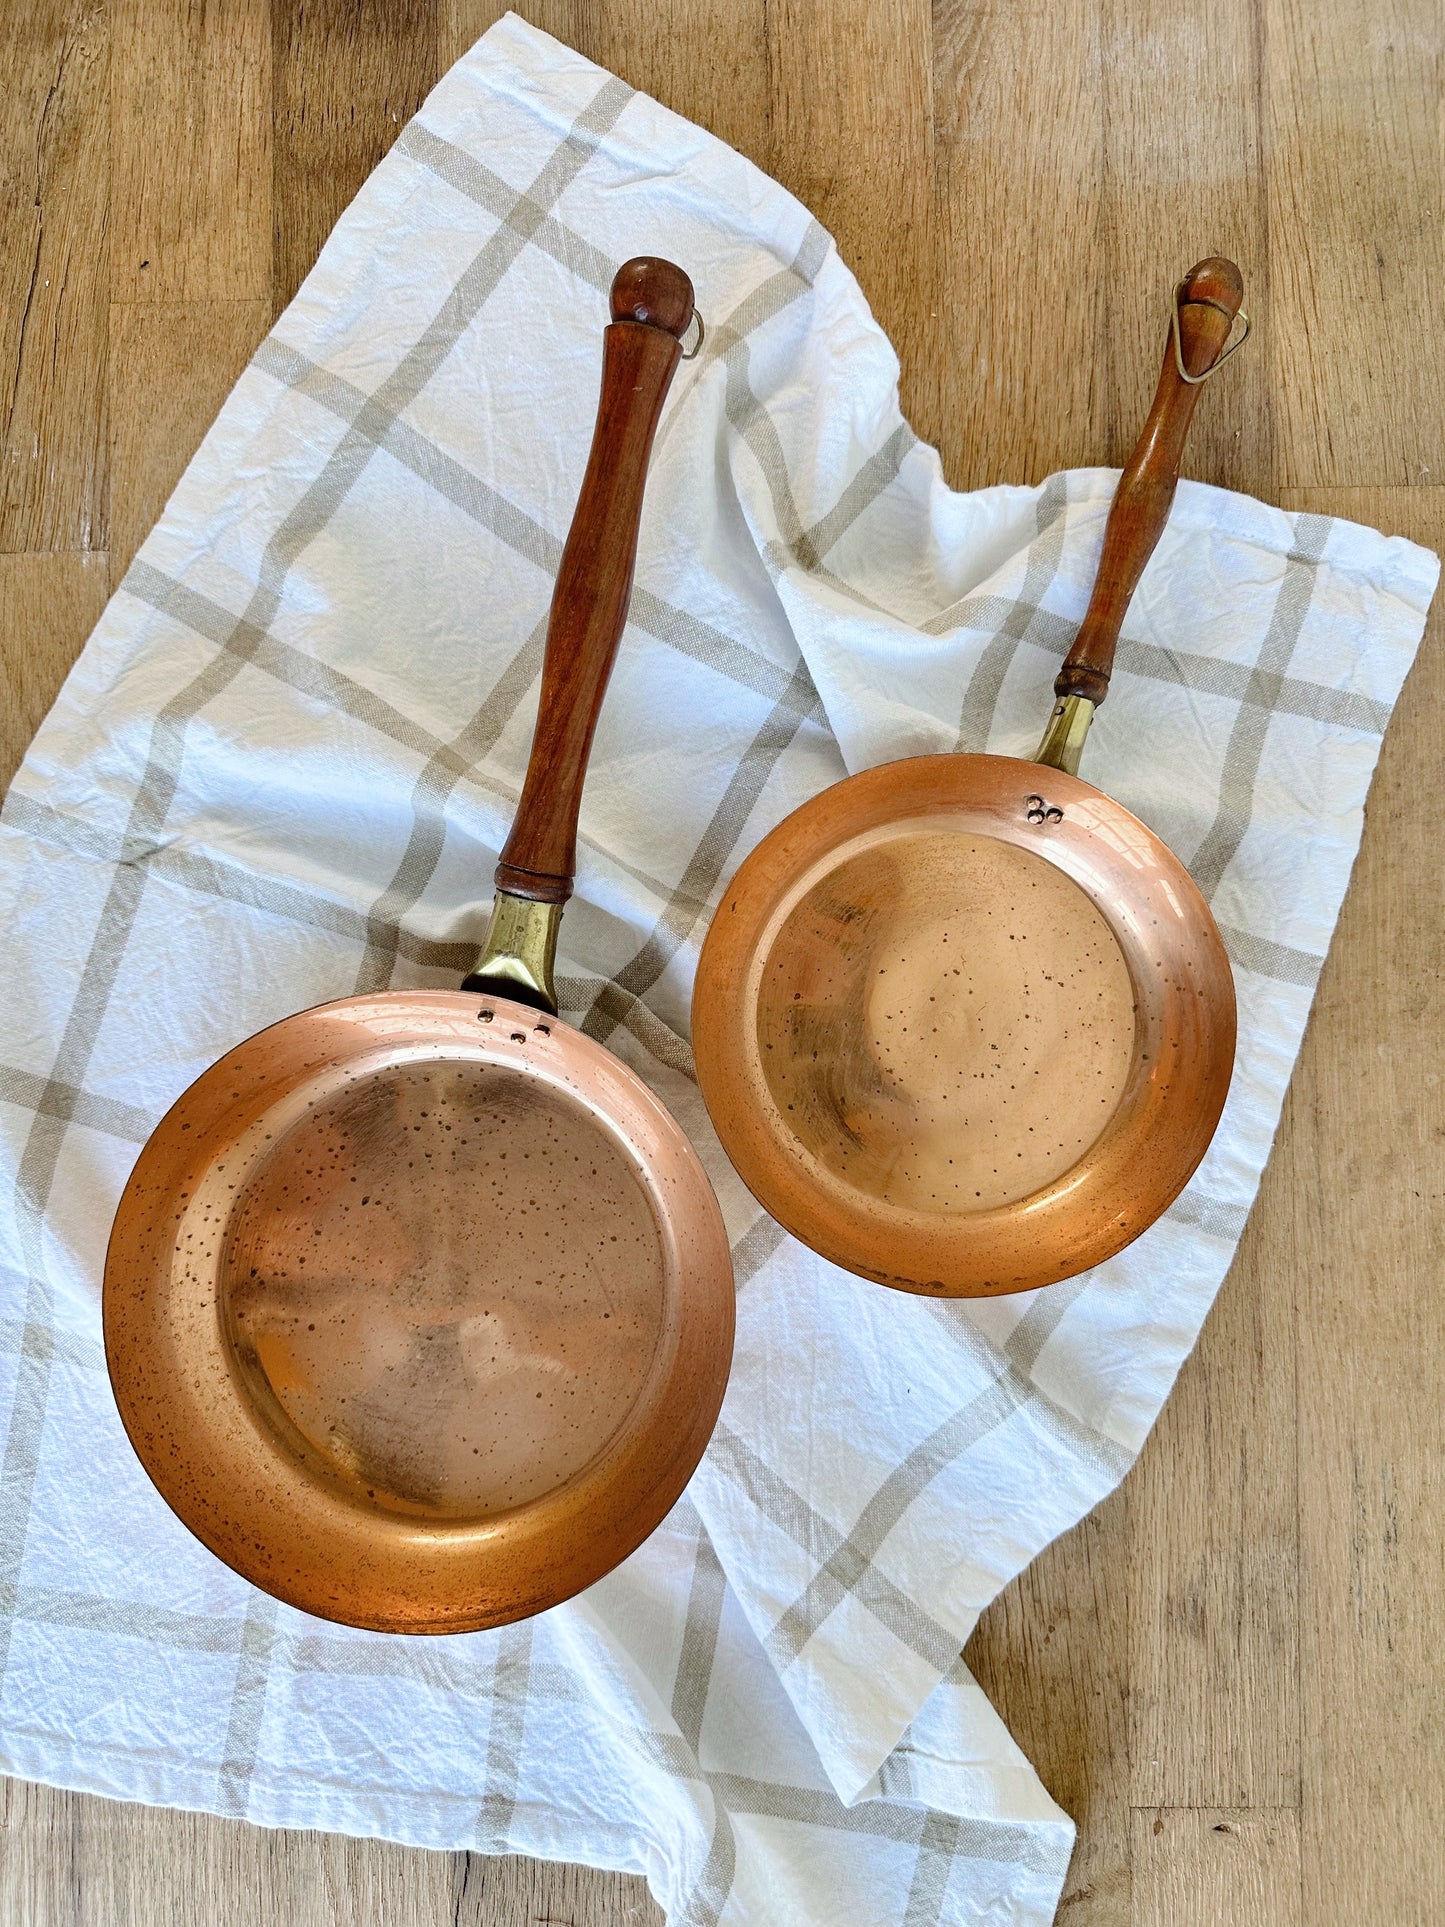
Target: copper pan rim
[(1185, 1022), (247, 1487)]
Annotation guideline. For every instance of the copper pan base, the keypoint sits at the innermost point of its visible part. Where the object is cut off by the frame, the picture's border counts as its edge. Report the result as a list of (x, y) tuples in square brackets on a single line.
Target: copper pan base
[(964, 1025), (418, 1310)]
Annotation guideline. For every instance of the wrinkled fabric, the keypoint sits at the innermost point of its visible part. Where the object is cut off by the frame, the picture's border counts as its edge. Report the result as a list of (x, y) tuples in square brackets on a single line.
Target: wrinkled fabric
[(281, 772)]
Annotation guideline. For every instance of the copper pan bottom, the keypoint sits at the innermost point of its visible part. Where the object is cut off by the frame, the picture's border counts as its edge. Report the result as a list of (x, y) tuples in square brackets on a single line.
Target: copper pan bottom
[(959, 1037), (418, 1310)]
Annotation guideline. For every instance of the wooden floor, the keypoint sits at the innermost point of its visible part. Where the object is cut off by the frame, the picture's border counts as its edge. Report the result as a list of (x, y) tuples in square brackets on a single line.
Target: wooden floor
[(1230, 1673)]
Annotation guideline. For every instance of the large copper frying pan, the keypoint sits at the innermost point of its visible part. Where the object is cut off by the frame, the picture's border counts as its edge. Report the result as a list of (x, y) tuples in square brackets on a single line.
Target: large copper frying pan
[(965, 1025), (419, 1306)]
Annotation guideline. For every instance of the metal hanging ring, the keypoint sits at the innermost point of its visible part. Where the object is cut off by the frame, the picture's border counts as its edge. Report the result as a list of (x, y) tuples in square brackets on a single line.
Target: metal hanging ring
[(692, 353), (1203, 301)]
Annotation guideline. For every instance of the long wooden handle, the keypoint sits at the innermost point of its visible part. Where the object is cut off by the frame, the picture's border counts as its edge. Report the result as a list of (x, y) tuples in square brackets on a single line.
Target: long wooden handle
[(1208, 300), (651, 310)]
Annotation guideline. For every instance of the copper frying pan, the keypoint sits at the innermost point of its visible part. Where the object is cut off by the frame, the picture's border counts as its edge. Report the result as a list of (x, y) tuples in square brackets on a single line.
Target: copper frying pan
[(418, 1306), (965, 1025)]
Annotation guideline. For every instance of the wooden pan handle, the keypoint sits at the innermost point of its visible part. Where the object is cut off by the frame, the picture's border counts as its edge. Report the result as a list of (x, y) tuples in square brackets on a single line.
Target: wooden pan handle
[(1208, 299), (651, 310)]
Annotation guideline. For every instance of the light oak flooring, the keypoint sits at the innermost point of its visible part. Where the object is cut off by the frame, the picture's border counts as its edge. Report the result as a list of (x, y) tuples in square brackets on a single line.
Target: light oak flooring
[(1230, 1673)]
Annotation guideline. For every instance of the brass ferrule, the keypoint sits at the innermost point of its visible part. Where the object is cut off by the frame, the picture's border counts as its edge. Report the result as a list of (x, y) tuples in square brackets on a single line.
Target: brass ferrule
[(1064, 737), (520, 949)]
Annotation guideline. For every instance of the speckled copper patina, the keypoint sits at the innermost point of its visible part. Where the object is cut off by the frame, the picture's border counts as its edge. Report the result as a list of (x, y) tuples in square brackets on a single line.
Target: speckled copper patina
[(419, 1306), (964, 1025), (957, 1044), (419, 1310)]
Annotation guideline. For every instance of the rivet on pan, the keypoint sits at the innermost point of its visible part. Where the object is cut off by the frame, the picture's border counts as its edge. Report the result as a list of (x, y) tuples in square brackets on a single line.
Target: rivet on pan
[(519, 1037), (1053, 814), (485, 1016), (546, 1029)]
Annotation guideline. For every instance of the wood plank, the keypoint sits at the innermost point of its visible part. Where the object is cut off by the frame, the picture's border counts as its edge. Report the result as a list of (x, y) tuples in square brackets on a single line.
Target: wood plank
[(705, 59), (506, 1891), (1364, 1179), (54, 267), (1214, 1551), (71, 1860), (191, 149), (35, 1883), (348, 76), (172, 364), (460, 23), (852, 136), (1356, 177), (1075, 150), (1052, 1653), (1182, 164), (48, 606), (1217, 1867), (68, 1860), (1021, 298)]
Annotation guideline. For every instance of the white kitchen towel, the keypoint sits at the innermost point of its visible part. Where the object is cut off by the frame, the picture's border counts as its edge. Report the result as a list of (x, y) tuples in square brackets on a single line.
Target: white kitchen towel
[(281, 772)]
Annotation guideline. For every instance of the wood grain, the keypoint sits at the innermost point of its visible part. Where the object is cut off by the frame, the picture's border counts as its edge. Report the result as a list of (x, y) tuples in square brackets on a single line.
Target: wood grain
[(1022, 297), (348, 75), (1052, 1653), (1208, 1867), (1245, 1637), (1359, 1204), (459, 23), (1214, 1552), (48, 605), (862, 157), (1355, 113), (1183, 148), (100, 1861), (508, 1891), (191, 120), (172, 364), (71, 1861), (706, 59), (54, 274)]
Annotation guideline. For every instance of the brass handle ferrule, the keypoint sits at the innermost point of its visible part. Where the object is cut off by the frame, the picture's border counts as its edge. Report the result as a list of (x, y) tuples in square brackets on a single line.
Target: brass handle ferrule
[(1063, 741), (519, 952)]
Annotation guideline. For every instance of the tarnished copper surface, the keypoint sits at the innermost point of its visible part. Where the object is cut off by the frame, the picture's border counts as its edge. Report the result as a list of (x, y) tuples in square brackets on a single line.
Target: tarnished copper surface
[(418, 1310), (419, 1307), (959, 1036)]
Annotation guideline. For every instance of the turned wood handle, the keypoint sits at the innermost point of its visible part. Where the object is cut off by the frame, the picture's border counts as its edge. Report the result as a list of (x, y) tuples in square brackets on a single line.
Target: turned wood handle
[(1209, 298), (651, 310)]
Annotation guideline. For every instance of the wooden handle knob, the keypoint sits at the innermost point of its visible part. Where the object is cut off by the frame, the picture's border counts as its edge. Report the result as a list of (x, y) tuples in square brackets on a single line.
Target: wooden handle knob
[(652, 306), (654, 292), (1207, 300)]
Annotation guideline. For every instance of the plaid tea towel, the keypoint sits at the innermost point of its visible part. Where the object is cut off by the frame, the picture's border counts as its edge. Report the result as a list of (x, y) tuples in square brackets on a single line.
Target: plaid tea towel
[(280, 773)]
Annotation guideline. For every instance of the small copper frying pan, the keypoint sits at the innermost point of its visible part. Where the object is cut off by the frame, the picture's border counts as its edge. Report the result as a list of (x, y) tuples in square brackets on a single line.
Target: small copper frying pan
[(419, 1306), (963, 1024)]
